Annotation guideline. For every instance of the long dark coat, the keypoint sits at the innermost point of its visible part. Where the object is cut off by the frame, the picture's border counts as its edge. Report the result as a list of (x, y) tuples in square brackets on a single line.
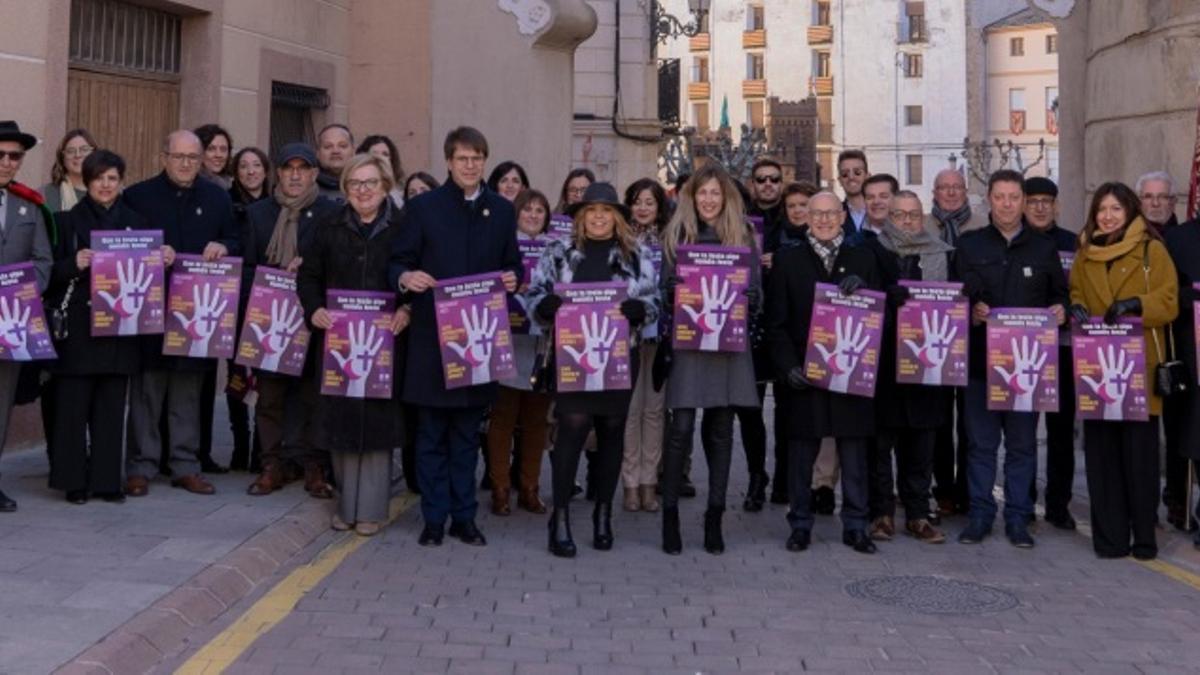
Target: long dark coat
[(446, 236), (342, 257), (1183, 243)]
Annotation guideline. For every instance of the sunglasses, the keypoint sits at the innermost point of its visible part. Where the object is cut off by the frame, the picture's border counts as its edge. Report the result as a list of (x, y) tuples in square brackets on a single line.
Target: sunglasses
[(767, 179), (12, 155)]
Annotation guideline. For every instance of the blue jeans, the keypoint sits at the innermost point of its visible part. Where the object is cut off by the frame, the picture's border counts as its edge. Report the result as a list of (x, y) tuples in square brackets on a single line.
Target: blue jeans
[(984, 429), (447, 454)]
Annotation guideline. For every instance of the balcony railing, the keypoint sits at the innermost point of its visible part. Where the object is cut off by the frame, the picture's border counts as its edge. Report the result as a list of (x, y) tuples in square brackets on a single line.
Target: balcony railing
[(823, 86), (820, 35), (699, 91), (700, 42), (754, 39), (754, 88)]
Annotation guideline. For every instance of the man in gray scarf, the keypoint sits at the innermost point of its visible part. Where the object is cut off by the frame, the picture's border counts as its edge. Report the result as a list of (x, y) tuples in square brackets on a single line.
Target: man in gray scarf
[(952, 214)]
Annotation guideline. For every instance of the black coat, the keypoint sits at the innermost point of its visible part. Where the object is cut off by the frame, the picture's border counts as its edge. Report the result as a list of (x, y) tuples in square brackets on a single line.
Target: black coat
[(80, 353), (1025, 272), (260, 218), (813, 413), (446, 236), (342, 257), (189, 218), (1064, 240)]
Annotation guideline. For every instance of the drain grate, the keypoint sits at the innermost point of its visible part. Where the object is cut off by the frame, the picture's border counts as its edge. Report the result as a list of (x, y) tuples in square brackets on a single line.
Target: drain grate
[(933, 595)]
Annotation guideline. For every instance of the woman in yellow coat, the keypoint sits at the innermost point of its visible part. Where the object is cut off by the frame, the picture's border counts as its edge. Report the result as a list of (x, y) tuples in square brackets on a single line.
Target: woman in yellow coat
[(1123, 269)]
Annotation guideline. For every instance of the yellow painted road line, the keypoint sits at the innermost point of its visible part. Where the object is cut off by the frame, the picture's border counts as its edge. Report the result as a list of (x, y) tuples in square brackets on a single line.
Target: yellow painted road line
[(1163, 567), (262, 616)]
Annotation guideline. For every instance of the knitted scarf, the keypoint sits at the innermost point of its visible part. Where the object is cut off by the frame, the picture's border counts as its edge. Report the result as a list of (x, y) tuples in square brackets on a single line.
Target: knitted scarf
[(952, 221), (826, 250), (285, 238), (925, 244)]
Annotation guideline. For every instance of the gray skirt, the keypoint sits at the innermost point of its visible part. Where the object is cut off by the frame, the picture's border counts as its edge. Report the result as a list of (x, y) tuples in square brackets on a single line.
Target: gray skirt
[(712, 380)]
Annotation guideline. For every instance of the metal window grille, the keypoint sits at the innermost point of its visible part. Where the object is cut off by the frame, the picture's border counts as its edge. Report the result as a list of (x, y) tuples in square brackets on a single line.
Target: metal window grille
[(668, 92), (292, 106), (118, 35)]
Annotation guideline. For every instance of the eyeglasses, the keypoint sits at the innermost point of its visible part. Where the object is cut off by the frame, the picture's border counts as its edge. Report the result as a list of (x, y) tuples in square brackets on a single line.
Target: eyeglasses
[(12, 155), (576, 191), (181, 158), (468, 159), (81, 151), (767, 179), (1040, 202), (950, 188), (899, 215), (358, 185), (825, 215), (1160, 197)]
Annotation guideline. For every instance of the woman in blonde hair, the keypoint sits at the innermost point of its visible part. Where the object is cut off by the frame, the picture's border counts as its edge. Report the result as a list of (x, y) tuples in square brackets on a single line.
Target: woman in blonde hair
[(710, 211), (604, 248), (66, 186)]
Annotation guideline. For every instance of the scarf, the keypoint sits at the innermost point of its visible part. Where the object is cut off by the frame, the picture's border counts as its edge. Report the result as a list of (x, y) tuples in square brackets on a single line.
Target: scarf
[(952, 221), (925, 244), (1122, 244), (68, 195), (826, 250), (285, 238)]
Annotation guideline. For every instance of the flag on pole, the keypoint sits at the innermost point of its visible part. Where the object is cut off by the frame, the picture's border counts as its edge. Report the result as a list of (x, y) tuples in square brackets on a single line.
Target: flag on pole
[(1193, 205)]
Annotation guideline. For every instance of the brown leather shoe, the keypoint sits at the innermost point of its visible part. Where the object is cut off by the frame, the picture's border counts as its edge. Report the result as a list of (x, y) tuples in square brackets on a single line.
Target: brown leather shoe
[(500, 502), (649, 499), (195, 484), (137, 486), (315, 484), (883, 528), (945, 507), (529, 500), (631, 502), (924, 532), (270, 480)]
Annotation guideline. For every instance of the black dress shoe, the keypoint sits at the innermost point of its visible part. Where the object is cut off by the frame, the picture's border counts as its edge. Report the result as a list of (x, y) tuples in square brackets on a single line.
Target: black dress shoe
[(467, 533), (112, 497), (672, 544), (431, 536), (7, 505), (1063, 520), (207, 465), (756, 493), (602, 535), (687, 488), (799, 540), (859, 541), (714, 540), (77, 496)]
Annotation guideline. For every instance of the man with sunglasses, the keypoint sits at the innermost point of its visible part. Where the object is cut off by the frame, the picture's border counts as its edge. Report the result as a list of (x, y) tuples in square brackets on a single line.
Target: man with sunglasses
[(852, 176), (23, 238)]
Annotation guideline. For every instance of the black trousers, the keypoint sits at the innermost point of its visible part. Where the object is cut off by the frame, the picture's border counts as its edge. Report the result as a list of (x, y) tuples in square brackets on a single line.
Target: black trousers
[(914, 464), (716, 435), (1060, 441), (852, 456), (1175, 408), (88, 406), (779, 482), (605, 466), (1122, 477), (754, 435), (950, 454)]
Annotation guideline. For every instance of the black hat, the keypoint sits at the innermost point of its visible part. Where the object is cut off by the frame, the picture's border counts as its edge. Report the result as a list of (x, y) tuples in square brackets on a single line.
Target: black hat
[(1040, 186), (292, 151), (9, 131), (600, 193)]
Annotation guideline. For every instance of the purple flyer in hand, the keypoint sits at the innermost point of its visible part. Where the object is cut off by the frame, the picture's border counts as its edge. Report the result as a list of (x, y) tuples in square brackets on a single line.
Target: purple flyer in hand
[(359, 347), (1022, 360), (710, 299), (562, 227), (1110, 370), (274, 336), (23, 332), (128, 294), (756, 223), (518, 317), (931, 335), (591, 337), (202, 307), (843, 340), (473, 331)]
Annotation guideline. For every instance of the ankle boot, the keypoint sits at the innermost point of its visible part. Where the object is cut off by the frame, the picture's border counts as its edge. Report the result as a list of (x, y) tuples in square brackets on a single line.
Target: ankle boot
[(756, 493), (561, 543), (714, 542), (671, 542), (602, 536)]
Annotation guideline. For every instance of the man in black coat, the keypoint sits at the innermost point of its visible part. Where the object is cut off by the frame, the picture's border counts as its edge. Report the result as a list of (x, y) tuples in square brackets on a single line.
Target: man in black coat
[(1181, 413), (196, 216), (459, 229), (277, 232), (1006, 264)]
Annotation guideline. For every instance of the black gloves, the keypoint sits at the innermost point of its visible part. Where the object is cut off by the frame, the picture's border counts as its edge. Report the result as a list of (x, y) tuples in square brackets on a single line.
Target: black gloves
[(898, 295), (796, 379), (634, 310), (548, 307), (1079, 313), (850, 283), (1122, 308)]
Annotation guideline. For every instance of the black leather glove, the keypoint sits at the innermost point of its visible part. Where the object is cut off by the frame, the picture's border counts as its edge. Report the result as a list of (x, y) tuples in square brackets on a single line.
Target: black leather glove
[(1123, 308), (898, 295), (634, 310), (851, 283), (796, 379), (1079, 313), (548, 307)]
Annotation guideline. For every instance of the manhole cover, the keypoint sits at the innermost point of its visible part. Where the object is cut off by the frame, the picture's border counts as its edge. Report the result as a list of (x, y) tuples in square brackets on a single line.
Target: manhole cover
[(933, 595)]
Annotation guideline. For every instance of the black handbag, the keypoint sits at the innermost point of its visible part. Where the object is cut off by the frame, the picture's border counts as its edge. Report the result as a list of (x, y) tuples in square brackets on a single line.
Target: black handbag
[(1170, 376)]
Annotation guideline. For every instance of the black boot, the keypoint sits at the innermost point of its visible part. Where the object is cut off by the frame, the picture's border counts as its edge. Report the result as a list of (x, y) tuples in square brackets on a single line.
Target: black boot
[(671, 542), (602, 536), (756, 493), (561, 543), (714, 542)]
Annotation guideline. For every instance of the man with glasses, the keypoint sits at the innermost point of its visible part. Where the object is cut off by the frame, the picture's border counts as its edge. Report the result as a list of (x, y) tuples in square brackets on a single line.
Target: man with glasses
[(23, 238), (196, 217), (952, 214), (852, 174), (1157, 192)]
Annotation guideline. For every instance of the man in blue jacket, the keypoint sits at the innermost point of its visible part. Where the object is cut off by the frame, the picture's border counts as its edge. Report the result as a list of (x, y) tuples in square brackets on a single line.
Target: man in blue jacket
[(459, 229)]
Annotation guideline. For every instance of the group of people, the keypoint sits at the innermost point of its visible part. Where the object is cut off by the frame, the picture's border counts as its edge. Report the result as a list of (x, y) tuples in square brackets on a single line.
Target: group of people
[(339, 216)]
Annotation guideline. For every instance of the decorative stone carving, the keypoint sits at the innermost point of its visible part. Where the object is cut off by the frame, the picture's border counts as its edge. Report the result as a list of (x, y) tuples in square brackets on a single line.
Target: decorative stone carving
[(556, 24), (532, 15)]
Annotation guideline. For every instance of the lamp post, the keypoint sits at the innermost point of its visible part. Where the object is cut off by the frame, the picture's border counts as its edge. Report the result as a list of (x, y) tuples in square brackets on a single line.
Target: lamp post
[(665, 26)]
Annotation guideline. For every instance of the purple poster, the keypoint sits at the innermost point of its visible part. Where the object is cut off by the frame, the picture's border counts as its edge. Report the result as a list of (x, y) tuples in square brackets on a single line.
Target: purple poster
[(843, 340), (1110, 370), (591, 337), (1067, 258), (562, 227), (358, 354), (518, 317), (473, 331), (127, 282), (274, 336), (1022, 360), (202, 307), (931, 335), (710, 299), (756, 223), (23, 332)]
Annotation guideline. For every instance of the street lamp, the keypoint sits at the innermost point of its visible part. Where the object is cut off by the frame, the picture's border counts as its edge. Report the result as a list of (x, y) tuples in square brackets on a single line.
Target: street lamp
[(664, 26)]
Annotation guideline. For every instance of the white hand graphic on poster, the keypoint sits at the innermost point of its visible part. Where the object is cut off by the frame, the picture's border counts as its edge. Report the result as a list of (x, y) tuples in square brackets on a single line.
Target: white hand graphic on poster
[(846, 354), (481, 330), (1116, 371), (598, 342), (1028, 360), (285, 321), (207, 307), (14, 329), (717, 300), (133, 281), (935, 348), (365, 343)]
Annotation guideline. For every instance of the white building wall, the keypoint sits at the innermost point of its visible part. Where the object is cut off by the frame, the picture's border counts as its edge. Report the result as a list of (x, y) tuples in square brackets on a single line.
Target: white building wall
[(1034, 72)]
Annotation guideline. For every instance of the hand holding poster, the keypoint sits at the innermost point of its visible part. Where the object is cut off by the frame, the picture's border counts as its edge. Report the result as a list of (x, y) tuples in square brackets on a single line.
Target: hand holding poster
[(1110, 370), (518, 316), (358, 353), (203, 302), (1022, 360), (843, 340), (473, 330), (274, 337), (591, 338), (710, 298), (127, 282), (562, 227), (23, 332), (931, 335)]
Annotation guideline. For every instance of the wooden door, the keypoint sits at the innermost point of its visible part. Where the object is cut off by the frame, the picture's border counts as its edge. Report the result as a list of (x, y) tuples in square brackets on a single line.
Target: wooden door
[(128, 115)]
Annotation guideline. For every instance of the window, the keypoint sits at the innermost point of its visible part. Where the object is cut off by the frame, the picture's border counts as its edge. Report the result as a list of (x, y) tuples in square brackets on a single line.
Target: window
[(123, 36), (755, 69), (822, 65), (292, 107), (755, 18), (1051, 44), (1016, 47), (700, 116), (913, 170), (824, 17), (914, 65), (914, 115), (1016, 100), (700, 69), (914, 22), (756, 114)]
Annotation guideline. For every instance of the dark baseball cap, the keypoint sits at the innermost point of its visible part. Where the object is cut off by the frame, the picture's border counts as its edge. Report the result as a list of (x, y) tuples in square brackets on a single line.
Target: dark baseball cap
[(1039, 185), (292, 151)]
